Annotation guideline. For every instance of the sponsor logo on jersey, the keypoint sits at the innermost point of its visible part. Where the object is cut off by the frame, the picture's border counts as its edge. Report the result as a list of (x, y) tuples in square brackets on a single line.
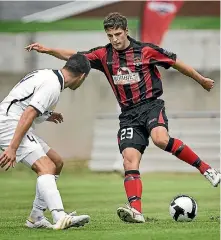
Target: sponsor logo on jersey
[(111, 63), (125, 76), (137, 61)]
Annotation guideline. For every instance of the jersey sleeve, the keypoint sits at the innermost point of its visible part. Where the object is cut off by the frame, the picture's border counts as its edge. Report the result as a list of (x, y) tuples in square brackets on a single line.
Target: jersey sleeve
[(95, 56), (45, 98), (159, 56)]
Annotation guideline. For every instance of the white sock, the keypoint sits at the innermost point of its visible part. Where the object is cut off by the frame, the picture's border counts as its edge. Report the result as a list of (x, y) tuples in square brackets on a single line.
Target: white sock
[(48, 189), (39, 206)]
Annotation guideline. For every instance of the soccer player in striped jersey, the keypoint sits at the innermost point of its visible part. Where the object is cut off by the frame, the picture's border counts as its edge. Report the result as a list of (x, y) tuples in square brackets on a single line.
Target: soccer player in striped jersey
[(131, 69)]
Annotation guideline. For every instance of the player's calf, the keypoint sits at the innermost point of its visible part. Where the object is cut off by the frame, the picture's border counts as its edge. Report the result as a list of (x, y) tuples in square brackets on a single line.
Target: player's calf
[(183, 152), (186, 154)]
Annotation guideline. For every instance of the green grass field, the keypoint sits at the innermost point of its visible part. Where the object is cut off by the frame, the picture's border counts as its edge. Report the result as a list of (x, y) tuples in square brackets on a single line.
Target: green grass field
[(97, 24), (99, 195)]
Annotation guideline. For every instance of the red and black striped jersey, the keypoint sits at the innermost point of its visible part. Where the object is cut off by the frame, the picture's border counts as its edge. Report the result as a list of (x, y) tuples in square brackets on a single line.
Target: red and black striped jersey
[(132, 72)]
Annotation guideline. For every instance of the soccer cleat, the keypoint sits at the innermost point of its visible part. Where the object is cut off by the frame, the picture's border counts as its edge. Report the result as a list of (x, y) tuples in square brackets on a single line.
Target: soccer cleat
[(74, 213), (71, 221), (213, 176), (129, 214), (43, 223)]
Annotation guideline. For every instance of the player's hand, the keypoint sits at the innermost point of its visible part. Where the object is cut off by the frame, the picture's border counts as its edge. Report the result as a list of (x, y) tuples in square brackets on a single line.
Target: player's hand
[(37, 47), (7, 158), (56, 118), (207, 84)]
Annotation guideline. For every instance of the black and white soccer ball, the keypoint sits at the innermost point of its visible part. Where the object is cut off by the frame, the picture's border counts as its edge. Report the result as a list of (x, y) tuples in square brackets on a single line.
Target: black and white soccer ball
[(183, 208)]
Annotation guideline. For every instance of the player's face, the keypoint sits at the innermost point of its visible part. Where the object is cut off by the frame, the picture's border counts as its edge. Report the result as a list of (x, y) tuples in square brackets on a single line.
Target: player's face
[(77, 81), (118, 38)]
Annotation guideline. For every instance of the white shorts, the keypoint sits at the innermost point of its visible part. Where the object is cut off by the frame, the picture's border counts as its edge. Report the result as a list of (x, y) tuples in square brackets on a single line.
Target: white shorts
[(31, 148)]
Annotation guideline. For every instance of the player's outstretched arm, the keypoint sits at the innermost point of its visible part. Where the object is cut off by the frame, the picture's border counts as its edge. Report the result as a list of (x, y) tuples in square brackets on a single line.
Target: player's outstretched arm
[(58, 53), (187, 70), (8, 157)]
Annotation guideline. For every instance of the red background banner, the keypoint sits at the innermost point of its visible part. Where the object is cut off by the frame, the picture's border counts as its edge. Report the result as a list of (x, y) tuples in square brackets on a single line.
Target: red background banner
[(156, 19)]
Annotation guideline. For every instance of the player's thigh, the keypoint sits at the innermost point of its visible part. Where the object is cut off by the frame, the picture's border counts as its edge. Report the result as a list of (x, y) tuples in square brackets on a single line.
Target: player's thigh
[(157, 116), (7, 131), (36, 158), (30, 150), (28, 144), (133, 137), (44, 145)]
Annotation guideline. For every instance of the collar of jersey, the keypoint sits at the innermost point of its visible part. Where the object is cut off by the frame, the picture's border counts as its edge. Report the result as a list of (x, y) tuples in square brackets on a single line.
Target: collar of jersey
[(60, 78), (127, 48)]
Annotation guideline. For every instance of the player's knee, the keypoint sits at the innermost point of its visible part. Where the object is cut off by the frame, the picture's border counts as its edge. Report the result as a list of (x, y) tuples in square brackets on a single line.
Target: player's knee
[(44, 165), (127, 163), (160, 141), (160, 137), (49, 169), (56, 159)]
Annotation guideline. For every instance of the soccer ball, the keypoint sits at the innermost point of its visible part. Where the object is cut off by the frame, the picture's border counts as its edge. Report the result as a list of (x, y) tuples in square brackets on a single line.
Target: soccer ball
[(183, 208)]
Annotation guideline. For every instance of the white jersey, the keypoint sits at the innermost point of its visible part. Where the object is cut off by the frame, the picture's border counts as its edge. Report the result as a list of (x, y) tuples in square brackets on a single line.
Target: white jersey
[(40, 89)]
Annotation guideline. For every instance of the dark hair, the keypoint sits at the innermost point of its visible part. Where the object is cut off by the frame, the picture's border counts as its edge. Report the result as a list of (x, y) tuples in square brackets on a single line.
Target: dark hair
[(115, 20), (78, 64)]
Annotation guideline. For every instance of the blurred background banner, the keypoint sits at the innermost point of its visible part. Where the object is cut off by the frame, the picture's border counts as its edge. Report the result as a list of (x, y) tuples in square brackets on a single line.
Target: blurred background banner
[(156, 19)]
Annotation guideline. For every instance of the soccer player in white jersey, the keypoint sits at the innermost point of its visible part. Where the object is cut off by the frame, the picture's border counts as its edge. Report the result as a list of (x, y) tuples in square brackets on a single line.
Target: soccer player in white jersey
[(29, 102)]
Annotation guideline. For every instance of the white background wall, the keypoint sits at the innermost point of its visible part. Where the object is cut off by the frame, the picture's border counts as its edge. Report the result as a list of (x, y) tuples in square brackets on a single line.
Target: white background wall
[(74, 137), (199, 48)]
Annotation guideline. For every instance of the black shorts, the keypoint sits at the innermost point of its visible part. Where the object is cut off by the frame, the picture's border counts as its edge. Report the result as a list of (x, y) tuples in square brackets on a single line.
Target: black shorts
[(136, 124)]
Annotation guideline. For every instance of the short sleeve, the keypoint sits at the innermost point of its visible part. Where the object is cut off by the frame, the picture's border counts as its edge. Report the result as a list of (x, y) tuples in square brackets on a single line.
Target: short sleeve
[(159, 56), (95, 56), (45, 98)]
